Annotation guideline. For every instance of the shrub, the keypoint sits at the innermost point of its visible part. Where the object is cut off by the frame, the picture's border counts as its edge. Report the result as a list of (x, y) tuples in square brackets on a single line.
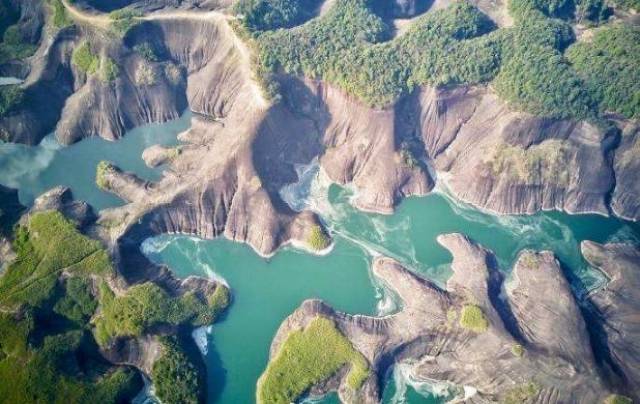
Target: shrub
[(10, 98), (261, 15), (109, 70), (307, 357), (84, 59), (48, 245), (145, 75), (472, 318), (146, 52), (173, 73), (618, 399), (317, 238), (77, 303), (14, 46), (103, 169), (175, 377), (521, 393), (123, 20), (146, 305), (610, 66), (517, 350), (60, 17), (544, 163)]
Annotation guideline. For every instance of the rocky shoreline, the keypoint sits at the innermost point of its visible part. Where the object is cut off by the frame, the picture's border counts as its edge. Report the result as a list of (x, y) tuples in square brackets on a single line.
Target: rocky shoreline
[(241, 149), (534, 346)]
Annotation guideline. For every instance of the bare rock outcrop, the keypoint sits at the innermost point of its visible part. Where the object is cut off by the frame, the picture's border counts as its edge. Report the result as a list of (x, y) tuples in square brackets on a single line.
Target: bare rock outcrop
[(617, 311), (503, 341)]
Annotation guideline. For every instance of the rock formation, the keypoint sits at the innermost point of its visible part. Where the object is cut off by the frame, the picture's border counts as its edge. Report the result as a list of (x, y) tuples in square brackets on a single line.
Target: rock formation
[(617, 311), (506, 341)]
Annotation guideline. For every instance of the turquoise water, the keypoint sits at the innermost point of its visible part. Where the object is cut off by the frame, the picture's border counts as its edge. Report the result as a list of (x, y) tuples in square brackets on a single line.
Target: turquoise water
[(265, 291), (36, 169)]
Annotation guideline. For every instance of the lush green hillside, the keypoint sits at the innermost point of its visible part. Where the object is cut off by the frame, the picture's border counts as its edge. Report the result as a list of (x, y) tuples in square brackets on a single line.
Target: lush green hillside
[(349, 46), (51, 297)]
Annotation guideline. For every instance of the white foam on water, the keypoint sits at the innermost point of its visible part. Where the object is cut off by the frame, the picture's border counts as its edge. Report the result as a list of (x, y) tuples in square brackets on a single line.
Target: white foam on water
[(147, 394), (403, 378), (201, 337), (7, 81)]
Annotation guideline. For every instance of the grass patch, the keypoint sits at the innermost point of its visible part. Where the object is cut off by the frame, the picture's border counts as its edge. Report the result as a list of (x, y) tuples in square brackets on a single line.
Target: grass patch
[(472, 318), (11, 97), (146, 52), (14, 46), (317, 239), (103, 169), (60, 18), (84, 59), (517, 350), (45, 247), (146, 305), (109, 70), (544, 163), (308, 357), (618, 399), (521, 394), (123, 20), (175, 377)]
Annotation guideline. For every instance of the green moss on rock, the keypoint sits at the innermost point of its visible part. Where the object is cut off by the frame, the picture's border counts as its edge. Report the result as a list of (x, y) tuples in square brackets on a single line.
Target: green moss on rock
[(317, 239), (307, 357), (472, 318)]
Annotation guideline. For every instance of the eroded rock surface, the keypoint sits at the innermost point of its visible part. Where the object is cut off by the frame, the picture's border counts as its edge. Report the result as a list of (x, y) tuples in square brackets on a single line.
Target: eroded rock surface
[(617, 311), (529, 344)]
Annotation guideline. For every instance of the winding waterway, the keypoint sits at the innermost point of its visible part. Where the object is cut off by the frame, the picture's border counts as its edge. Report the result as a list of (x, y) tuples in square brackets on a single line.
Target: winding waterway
[(265, 291)]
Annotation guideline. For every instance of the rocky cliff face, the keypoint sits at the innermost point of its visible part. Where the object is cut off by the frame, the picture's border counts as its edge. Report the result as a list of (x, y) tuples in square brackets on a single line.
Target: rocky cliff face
[(617, 311), (529, 344), (242, 149)]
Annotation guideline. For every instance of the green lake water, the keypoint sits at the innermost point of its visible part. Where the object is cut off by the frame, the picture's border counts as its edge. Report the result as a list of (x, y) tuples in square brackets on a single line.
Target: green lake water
[(265, 291)]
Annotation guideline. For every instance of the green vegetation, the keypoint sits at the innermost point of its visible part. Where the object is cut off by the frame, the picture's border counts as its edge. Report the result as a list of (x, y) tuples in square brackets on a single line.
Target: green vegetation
[(46, 354), (317, 238), (48, 350), (517, 350), (526, 63), (14, 46), (145, 75), (262, 15), (146, 305), (77, 303), (60, 17), (472, 318), (175, 377), (47, 373), (542, 163), (618, 399), (308, 357), (46, 247), (84, 59), (11, 96), (103, 169), (146, 52), (627, 4), (610, 66), (521, 393), (123, 20), (109, 70)]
